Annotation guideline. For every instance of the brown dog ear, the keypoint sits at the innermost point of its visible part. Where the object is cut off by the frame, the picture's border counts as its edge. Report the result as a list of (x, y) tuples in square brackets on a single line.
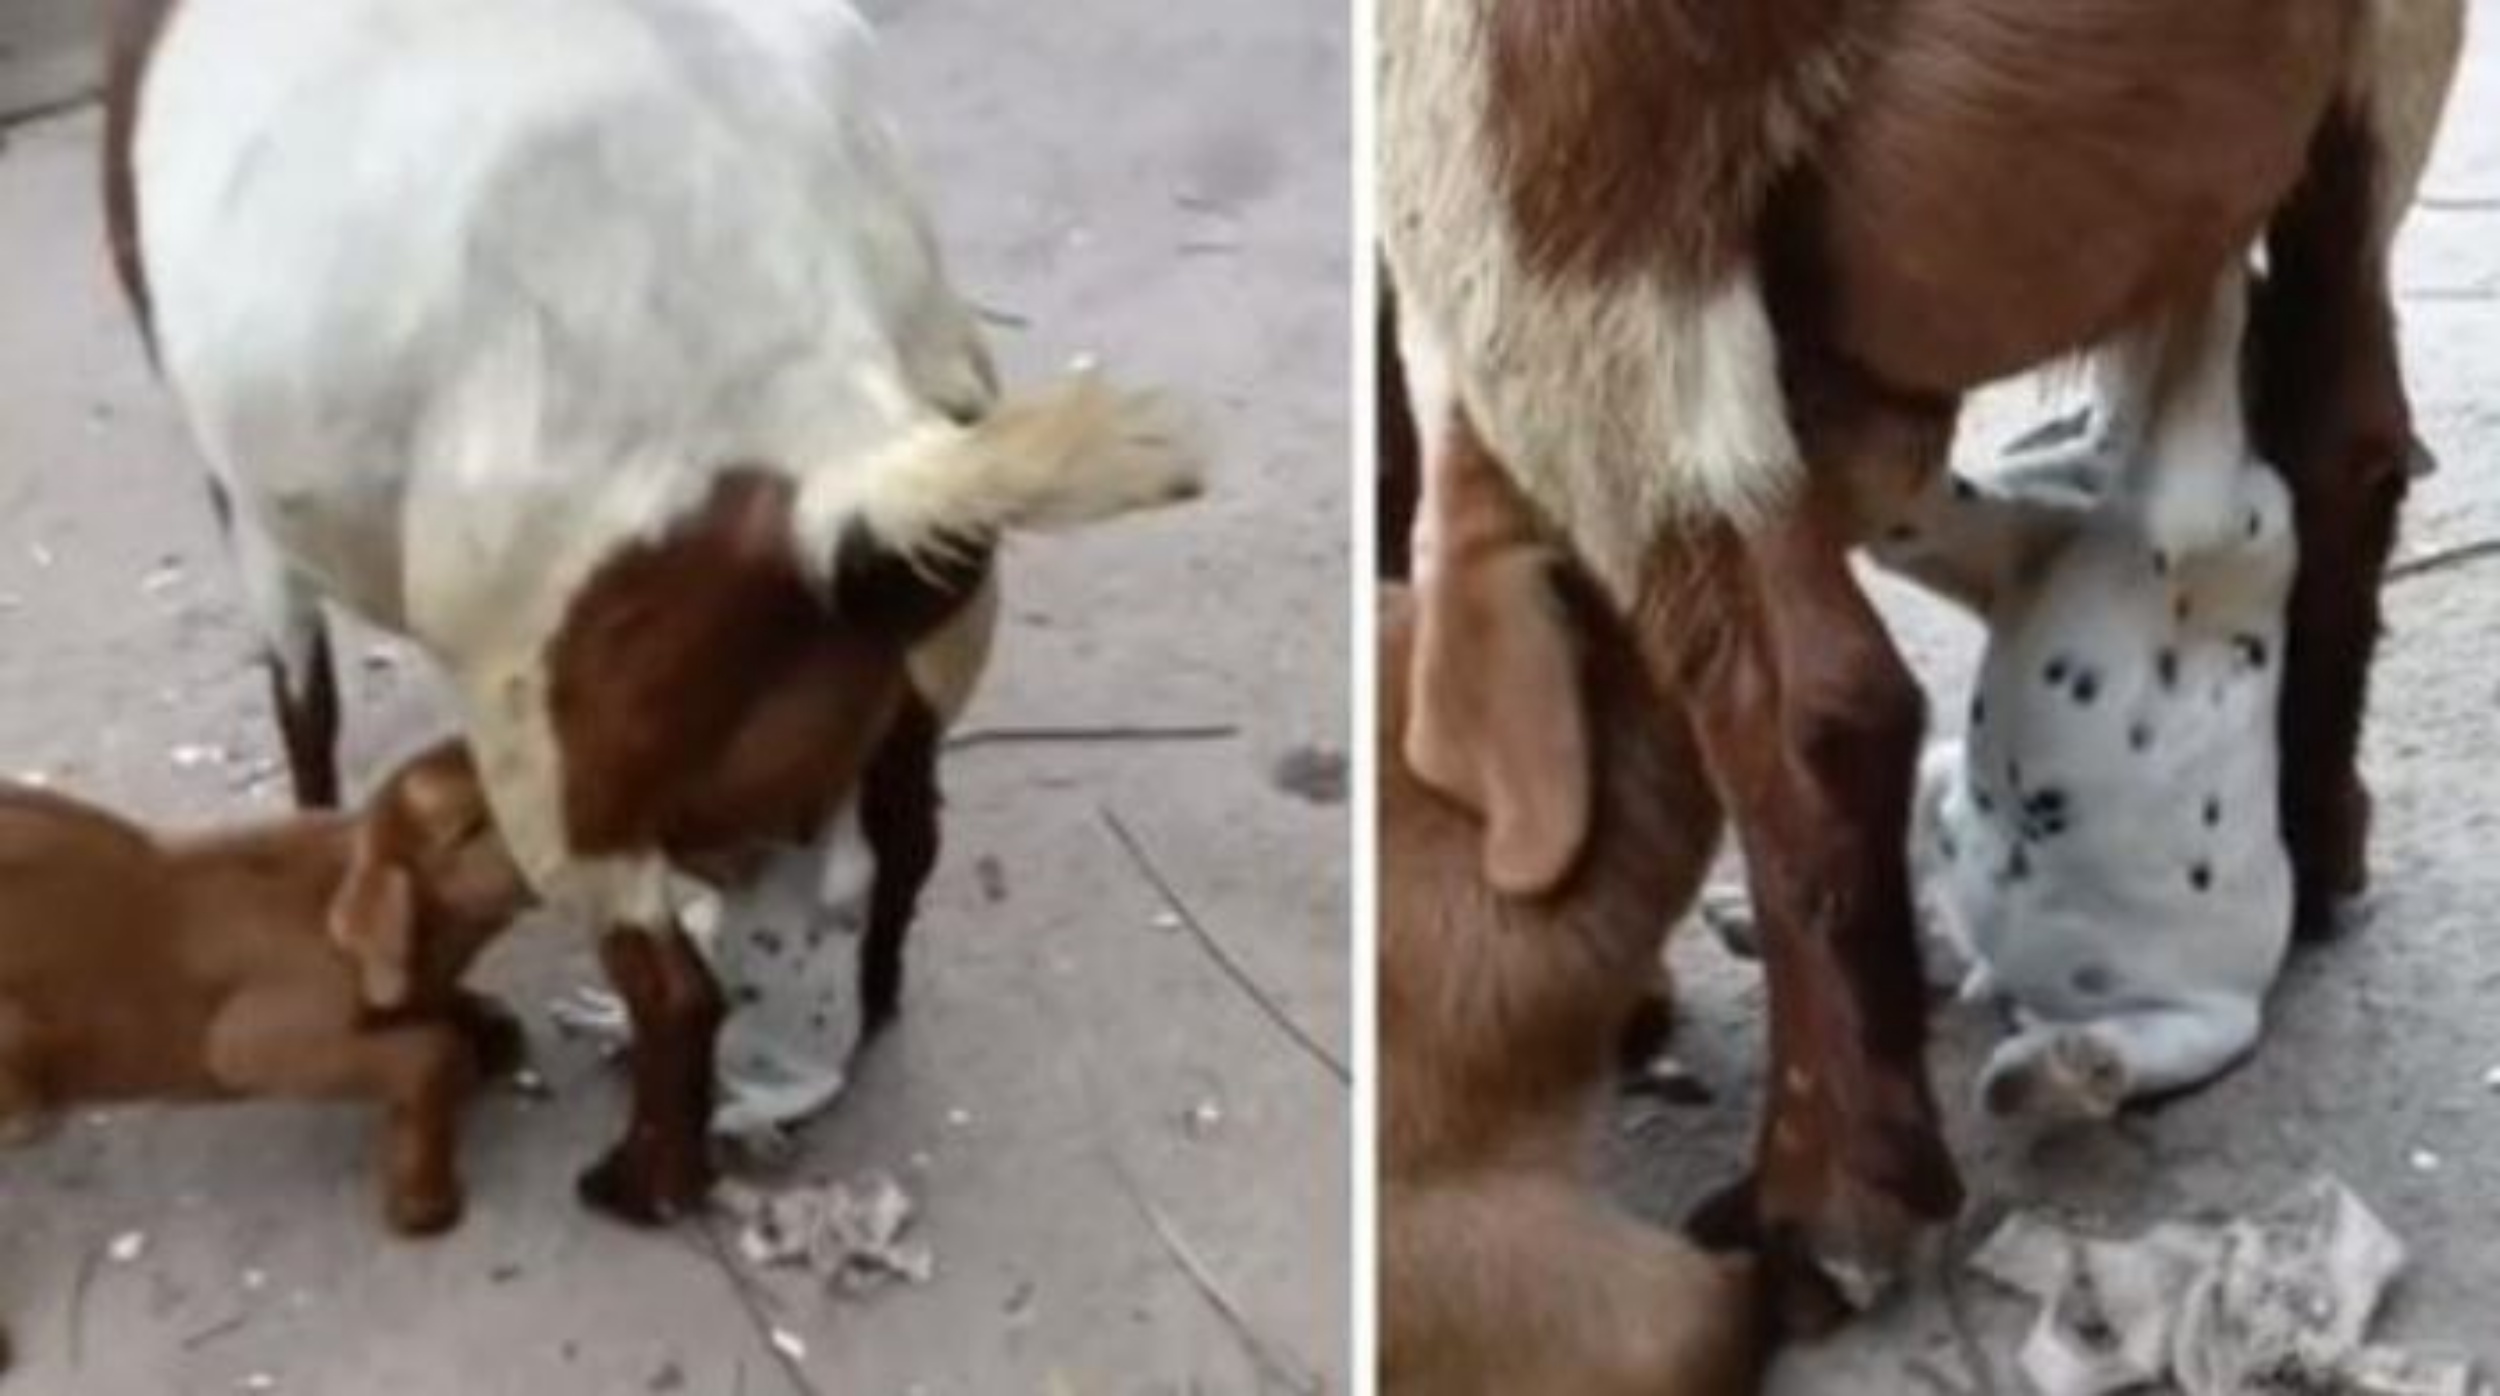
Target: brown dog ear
[(373, 918), (1498, 719)]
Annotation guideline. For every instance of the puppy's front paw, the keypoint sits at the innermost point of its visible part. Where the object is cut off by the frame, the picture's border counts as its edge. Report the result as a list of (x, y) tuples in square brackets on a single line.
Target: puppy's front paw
[(2067, 1075)]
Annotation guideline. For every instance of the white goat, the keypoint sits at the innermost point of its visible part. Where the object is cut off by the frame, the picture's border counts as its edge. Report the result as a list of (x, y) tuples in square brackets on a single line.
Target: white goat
[(601, 347)]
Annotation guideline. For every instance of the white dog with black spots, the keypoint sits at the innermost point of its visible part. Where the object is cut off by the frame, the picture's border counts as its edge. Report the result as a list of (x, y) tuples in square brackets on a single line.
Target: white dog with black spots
[(2103, 847)]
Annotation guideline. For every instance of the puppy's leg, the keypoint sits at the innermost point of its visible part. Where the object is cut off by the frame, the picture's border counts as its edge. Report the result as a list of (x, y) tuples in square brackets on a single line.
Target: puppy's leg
[(1530, 1285), (1967, 543), (2088, 1071), (281, 1043)]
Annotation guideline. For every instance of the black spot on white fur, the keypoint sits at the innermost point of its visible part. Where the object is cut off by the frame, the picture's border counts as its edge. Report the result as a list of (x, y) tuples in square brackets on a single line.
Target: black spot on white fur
[(2094, 980), (2045, 813), (2252, 648), (2140, 736), (2087, 687), (2166, 667), (2201, 876), (2213, 811), (2056, 672)]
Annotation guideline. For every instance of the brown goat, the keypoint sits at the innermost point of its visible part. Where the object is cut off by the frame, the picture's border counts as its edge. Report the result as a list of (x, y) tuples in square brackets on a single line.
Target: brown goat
[(1503, 1268), (1706, 280), (315, 957)]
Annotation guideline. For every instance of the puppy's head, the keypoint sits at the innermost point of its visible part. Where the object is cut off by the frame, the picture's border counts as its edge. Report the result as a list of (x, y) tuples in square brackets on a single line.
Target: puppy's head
[(429, 880)]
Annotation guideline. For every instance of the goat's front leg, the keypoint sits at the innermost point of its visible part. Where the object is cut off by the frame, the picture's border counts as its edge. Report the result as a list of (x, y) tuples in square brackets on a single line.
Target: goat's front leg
[(898, 814), (662, 1168), (1810, 723), (283, 1043)]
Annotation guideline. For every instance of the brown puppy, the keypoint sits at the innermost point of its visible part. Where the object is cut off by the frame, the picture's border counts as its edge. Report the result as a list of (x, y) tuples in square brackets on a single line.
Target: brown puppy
[(1503, 1268), (310, 957)]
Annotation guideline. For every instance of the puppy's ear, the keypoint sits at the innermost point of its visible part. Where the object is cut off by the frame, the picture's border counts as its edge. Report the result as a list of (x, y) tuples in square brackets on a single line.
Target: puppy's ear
[(1498, 720), (373, 917)]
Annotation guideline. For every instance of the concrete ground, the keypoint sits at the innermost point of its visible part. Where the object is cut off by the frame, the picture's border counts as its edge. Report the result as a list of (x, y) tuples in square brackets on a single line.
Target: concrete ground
[(2379, 1065), (1163, 185)]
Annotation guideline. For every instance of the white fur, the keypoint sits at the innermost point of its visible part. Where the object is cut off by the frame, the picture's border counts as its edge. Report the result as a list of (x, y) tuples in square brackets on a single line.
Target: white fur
[(1619, 408), (2063, 840), (462, 295)]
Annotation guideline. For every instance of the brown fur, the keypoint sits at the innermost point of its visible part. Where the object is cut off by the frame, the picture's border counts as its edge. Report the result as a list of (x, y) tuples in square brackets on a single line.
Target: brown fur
[(1503, 1268), (1809, 721), (708, 696), (2014, 181), (316, 957), (2330, 411), (1956, 189), (1640, 136)]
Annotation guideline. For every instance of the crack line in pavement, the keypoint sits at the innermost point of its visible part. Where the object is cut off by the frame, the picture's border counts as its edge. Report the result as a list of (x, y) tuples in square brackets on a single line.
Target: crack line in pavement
[(718, 1253), (1222, 956)]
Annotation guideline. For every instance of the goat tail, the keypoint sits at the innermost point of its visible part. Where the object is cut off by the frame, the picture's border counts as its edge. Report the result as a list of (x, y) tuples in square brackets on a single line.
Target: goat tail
[(1074, 453)]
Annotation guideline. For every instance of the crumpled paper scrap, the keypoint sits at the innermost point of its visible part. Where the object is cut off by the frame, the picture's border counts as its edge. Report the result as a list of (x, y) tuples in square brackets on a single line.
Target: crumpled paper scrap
[(854, 1236), (2278, 1303)]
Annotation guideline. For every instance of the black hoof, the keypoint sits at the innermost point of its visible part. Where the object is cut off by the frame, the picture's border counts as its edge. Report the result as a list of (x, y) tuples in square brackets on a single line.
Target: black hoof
[(622, 1187)]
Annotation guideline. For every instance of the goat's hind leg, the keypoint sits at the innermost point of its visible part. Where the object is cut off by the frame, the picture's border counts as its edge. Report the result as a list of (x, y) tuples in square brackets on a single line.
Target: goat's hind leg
[(303, 677), (2329, 410)]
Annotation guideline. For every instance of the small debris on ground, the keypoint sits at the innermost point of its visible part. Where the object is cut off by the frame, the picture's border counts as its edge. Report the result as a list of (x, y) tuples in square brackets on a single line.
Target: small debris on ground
[(1315, 774), (529, 1085), (670, 1377), (1202, 1120), (853, 1236), (595, 1016), (190, 756), (789, 1344), (992, 877), (2281, 1300), (128, 1247), (258, 1381), (1166, 921)]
